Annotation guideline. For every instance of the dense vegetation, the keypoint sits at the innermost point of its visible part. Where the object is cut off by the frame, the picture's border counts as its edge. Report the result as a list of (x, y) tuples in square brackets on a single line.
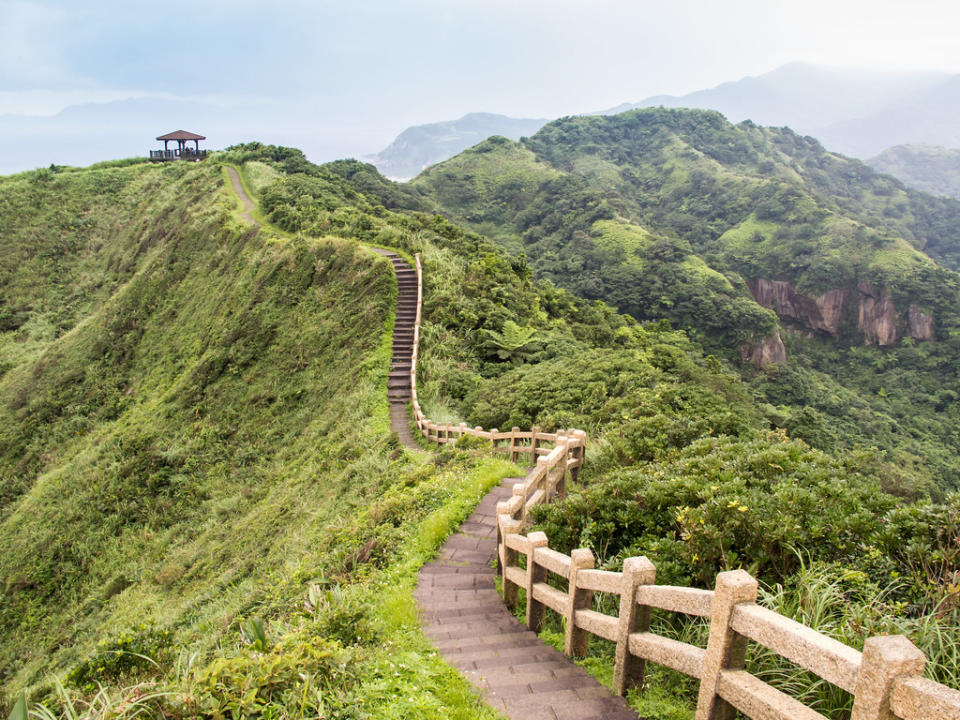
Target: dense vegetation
[(670, 214), (192, 481)]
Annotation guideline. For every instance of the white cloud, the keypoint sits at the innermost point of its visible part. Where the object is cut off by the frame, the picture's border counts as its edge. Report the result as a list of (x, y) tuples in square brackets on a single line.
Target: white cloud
[(30, 35)]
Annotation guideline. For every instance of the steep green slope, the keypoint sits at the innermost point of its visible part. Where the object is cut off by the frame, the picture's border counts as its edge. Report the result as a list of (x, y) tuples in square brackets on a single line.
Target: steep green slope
[(56, 265), (152, 450), (755, 203), (575, 238)]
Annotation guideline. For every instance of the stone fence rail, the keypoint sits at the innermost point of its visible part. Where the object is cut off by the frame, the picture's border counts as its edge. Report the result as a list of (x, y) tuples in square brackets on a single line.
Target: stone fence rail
[(886, 679)]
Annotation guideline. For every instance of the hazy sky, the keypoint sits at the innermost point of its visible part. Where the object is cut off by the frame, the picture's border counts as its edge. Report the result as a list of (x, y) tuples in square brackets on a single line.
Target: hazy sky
[(369, 68)]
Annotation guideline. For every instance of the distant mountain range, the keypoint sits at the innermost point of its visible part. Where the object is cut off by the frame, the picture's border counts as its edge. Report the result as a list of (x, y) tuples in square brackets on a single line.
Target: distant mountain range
[(853, 112), (420, 146)]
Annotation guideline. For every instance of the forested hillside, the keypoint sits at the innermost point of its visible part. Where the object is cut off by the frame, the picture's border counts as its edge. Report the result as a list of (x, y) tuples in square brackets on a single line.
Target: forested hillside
[(837, 282)]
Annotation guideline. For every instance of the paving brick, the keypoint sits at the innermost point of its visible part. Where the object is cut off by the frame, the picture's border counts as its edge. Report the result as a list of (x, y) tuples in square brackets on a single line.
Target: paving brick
[(490, 641), (508, 656), (542, 661), (580, 709), (545, 700), (614, 715), (571, 682)]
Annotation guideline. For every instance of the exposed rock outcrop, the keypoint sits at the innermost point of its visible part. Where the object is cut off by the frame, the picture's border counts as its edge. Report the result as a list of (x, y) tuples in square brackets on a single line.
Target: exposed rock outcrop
[(767, 351), (876, 315), (920, 325), (821, 313)]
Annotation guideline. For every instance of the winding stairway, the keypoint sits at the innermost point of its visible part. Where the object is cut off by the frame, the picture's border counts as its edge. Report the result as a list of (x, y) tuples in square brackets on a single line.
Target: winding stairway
[(398, 381)]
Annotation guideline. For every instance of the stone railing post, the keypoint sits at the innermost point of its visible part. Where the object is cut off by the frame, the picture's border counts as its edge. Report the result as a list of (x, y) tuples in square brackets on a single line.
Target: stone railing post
[(577, 639), (534, 443), (513, 443), (726, 649), (580, 453), (507, 556), (535, 574), (561, 485), (463, 431), (629, 670), (520, 490), (885, 660), (493, 439)]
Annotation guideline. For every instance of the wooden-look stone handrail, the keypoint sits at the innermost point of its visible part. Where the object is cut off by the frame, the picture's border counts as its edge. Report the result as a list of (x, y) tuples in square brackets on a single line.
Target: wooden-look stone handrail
[(886, 679)]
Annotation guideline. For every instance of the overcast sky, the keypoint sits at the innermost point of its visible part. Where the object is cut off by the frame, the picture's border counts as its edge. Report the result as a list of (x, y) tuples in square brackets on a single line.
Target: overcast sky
[(372, 67)]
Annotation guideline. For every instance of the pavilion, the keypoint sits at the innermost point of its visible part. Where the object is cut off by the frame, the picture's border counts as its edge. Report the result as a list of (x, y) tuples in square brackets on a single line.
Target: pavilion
[(183, 151)]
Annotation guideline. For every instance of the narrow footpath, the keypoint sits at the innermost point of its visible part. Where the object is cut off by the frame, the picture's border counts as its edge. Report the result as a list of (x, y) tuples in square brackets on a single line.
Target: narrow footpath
[(460, 609), (242, 194)]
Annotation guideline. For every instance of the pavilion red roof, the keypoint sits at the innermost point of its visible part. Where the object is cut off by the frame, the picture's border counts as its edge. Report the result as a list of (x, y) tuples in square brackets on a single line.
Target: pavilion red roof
[(181, 135)]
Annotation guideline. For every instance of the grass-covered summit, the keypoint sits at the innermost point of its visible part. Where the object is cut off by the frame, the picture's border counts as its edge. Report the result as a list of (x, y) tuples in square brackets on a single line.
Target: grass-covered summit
[(680, 214)]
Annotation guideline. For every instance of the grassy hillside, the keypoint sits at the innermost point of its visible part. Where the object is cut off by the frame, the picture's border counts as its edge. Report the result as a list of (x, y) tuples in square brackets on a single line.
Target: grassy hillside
[(575, 238), (134, 480), (197, 444)]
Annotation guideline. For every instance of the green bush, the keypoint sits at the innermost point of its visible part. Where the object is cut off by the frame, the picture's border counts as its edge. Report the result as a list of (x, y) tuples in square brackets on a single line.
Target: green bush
[(302, 675), (723, 503), (135, 652)]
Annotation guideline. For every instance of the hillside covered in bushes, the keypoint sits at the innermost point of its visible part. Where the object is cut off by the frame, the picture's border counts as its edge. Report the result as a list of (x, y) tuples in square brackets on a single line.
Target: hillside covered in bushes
[(832, 286), (212, 516)]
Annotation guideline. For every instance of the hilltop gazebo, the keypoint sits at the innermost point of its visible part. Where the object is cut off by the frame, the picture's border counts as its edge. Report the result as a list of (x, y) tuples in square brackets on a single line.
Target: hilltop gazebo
[(183, 151)]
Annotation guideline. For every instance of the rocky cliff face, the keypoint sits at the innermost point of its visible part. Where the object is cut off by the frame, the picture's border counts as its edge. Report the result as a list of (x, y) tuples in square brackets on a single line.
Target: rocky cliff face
[(765, 352), (821, 314), (877, 317), (920, 324)]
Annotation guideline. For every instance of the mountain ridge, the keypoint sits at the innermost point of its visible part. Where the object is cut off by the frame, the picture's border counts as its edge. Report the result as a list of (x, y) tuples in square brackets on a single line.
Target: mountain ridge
[(929, 168), (420, 146), (852, 111)]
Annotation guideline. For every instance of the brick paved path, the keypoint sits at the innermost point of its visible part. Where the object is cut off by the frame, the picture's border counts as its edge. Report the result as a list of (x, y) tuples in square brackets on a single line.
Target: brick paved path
[(465, 618)]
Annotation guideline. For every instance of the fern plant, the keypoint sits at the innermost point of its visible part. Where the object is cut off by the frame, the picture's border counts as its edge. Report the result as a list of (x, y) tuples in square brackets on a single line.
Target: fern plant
[(514, 343)]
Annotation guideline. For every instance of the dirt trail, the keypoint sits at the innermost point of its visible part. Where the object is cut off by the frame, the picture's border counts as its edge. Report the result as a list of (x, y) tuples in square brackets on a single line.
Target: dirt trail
[(242, 194)]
